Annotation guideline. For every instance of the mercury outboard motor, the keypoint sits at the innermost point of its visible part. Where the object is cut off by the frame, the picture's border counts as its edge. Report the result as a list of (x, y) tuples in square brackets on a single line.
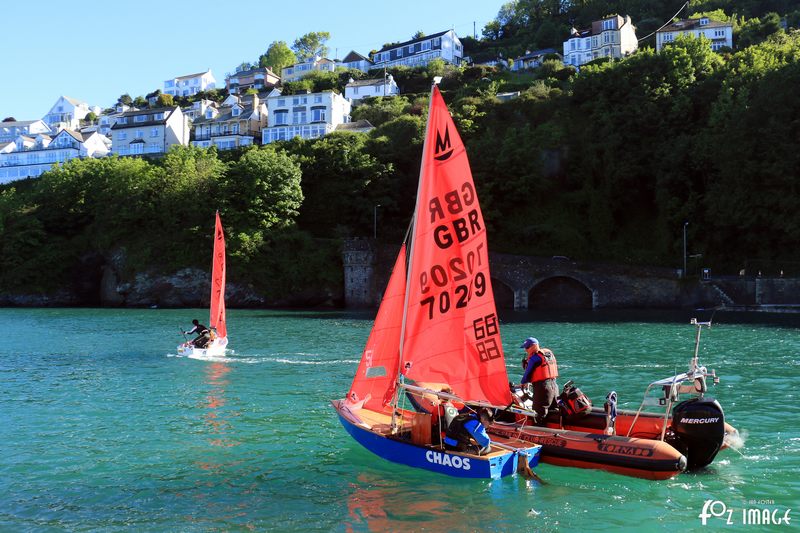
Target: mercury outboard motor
[(698, 425)]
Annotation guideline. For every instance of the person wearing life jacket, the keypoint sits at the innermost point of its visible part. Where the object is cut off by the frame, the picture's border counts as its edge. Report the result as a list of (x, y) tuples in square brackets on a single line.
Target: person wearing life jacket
[(466, 430), (541, 371)]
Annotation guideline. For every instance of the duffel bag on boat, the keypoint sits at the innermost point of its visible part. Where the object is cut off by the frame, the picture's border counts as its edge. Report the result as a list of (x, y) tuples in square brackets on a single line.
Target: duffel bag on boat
[(572, 402)]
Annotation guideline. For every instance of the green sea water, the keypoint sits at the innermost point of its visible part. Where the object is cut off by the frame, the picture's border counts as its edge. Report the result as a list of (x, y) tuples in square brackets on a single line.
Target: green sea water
[(104, 428)]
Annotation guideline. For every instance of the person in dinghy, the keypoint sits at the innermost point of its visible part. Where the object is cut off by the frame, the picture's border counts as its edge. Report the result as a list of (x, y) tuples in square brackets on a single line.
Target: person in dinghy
[(467, 429), (203, 334)]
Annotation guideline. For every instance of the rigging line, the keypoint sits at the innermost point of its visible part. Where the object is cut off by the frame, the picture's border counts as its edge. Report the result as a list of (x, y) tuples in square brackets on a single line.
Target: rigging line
[(685, 5)]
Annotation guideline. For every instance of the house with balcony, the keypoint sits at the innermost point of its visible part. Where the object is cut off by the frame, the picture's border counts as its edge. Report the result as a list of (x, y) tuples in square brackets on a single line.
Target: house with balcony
[(10, 130), (306, 115), (719, 33), (532, 60), (419, 52), (259, 78), (198, 109), (190, 84), (67, 113), (300, 70), (149, 131), (611, 37), (31, 156), (238, 122), (357, 61), (357, 89), (108, 119)]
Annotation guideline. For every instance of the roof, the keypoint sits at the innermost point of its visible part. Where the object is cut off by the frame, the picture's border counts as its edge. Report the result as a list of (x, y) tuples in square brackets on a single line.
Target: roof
[(358, 125), (74, 134), (412, 41), (354, 56), (17, 123), (693, 24), (166, 110), (251, 72), (537, 53), (193, 75), (226, 113), (73, 101), (366, 83)]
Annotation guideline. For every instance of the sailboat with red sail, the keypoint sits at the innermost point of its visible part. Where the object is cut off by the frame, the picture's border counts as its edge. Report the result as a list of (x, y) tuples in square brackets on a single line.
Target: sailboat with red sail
[(219, 330), (436, 334)]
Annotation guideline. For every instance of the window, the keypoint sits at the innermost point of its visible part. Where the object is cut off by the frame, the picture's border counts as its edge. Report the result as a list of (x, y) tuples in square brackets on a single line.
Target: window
[(154, 132), (281, 118), (317, 98), (154, 148), (158, 116), (123, 120), (299, 117), (608, 24), (318, 114), (236, 112), (140, 118), (426, 45), (139, 134), (437, 41), (137, 148), (282, 102), (400, 52), (123, 135), (170, 83)]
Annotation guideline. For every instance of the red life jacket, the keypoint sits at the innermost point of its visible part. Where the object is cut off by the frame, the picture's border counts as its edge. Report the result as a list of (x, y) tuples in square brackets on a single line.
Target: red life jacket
[(548, 369)]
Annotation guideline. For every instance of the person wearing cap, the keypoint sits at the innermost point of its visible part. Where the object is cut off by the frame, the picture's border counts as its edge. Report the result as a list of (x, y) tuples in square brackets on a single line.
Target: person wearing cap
[(541, 371), (467, 428)]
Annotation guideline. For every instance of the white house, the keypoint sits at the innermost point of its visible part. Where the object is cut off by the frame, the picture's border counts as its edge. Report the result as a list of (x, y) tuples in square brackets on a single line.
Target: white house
[(357, 61), (533, 59), (12, 129), (300, 70), (306, 115), (31, 156), (356, 90), (149, 131), (67, 113), (198, 109), (238, 122), (613, 37), (190, 84), (419, 52), (719, 33)]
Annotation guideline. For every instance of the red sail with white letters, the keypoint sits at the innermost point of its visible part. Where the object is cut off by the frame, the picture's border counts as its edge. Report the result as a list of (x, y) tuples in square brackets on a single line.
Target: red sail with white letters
[(451, 330), (217, 314), (374, 382)]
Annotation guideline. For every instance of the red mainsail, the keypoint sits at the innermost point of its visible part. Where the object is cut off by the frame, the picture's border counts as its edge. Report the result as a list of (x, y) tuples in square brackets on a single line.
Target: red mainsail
[(217, 315), (452, 332), (374, 382)]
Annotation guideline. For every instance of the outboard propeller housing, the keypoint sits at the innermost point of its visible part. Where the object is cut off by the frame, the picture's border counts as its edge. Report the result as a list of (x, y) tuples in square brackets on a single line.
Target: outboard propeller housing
[(699, 427)]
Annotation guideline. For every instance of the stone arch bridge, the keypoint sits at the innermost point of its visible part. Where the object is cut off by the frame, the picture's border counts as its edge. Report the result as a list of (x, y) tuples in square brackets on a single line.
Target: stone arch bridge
[(524, 282)]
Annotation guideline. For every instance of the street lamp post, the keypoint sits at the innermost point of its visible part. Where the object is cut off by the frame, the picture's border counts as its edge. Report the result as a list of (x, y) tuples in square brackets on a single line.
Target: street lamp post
[(684, 248), (375, 221)]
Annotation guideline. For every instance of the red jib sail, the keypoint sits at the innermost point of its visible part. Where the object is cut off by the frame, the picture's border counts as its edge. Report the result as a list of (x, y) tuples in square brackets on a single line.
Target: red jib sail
[(452, 331), (374, 382), (217, 318)]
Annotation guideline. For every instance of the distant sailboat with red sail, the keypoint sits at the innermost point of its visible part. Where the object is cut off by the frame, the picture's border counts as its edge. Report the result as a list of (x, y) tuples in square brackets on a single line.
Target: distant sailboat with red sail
[(217, 323), (436, 335)]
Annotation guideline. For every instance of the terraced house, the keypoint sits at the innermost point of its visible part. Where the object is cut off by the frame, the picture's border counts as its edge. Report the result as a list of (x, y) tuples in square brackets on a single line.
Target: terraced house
[(30, 156), (149, 131), (419, 52), (238, 122), (613, 37), (306, 115)]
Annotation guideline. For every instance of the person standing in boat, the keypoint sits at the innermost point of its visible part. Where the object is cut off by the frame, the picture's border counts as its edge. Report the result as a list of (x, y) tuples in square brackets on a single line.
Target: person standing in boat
[(541, 371), (467, 429), (202, 332)]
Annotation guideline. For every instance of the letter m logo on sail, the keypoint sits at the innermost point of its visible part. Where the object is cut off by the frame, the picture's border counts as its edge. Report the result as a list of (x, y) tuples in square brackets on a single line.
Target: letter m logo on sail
[(443, 148)]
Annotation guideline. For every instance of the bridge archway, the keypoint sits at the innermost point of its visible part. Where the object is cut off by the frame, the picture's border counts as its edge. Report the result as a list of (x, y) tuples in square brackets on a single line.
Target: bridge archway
[(560, 292), (503, 295)]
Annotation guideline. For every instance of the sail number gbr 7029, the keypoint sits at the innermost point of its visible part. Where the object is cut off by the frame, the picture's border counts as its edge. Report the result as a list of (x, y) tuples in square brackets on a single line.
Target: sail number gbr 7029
[(457, 283)]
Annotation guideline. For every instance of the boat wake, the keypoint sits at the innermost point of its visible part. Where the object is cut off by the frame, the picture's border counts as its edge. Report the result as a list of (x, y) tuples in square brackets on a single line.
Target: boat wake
[(736, 440)]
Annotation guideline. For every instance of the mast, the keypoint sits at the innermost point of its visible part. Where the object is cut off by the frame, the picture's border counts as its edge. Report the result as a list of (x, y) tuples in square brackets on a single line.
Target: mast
[(410, 259)]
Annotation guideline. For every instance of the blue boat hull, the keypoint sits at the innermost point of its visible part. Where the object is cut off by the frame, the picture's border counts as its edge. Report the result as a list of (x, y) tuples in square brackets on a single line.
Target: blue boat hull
[(435, 460)]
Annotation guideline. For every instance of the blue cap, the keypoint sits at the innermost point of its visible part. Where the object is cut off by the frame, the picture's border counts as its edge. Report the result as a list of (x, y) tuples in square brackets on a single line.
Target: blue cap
[(530, 341)]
